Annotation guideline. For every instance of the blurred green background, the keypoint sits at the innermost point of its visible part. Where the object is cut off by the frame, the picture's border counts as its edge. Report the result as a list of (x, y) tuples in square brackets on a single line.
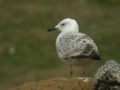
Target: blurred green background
[(27, 50)]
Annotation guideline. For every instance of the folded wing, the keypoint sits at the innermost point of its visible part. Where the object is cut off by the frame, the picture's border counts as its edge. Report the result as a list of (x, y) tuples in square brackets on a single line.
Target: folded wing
[(77, 45)]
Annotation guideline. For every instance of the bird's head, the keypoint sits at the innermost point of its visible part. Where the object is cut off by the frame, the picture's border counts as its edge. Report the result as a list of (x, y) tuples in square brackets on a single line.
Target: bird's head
[(65, 25)]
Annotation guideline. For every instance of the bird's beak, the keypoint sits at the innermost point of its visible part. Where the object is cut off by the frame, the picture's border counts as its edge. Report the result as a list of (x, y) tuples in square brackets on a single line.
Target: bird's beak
[(51, 29)]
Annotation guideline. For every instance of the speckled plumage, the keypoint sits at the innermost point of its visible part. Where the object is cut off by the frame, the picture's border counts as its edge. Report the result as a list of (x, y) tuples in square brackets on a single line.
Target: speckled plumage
[(73, 44), (108, 76)]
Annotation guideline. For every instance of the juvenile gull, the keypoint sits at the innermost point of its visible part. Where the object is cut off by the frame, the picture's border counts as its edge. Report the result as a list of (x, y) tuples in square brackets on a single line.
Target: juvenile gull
[(74, 47)]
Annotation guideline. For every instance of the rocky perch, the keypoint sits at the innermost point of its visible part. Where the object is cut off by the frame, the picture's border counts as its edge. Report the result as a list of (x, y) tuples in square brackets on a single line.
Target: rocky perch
[(108, 76), (61, 83)]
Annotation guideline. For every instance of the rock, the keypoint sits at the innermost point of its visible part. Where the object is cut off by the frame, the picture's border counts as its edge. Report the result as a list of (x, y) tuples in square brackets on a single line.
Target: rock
[(60, 83), (108, 76)]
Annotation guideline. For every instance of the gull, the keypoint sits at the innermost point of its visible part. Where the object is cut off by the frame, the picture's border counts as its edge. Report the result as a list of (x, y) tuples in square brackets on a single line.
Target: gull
[(74, 47)]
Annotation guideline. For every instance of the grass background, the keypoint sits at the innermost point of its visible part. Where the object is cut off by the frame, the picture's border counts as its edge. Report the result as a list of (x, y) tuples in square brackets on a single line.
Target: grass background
[(27, 50)]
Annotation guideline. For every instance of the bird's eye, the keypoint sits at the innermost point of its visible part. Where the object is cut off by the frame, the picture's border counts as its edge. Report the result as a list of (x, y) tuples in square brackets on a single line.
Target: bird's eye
[(62, 24)]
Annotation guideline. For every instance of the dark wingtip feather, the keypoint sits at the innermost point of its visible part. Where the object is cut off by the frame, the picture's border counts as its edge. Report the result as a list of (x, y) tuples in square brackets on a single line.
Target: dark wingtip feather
[(95, 56)]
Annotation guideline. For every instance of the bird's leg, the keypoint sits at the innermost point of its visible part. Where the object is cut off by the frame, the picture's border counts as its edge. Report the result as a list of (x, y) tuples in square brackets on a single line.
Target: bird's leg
[(84, 71), (71, 70)]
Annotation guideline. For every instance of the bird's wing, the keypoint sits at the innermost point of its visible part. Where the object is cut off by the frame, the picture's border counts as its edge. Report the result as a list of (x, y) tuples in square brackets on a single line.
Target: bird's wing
[(76, 45)]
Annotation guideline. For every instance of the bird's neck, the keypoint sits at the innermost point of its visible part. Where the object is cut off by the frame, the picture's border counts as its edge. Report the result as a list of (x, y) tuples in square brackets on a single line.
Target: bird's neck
[(73, 30)]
